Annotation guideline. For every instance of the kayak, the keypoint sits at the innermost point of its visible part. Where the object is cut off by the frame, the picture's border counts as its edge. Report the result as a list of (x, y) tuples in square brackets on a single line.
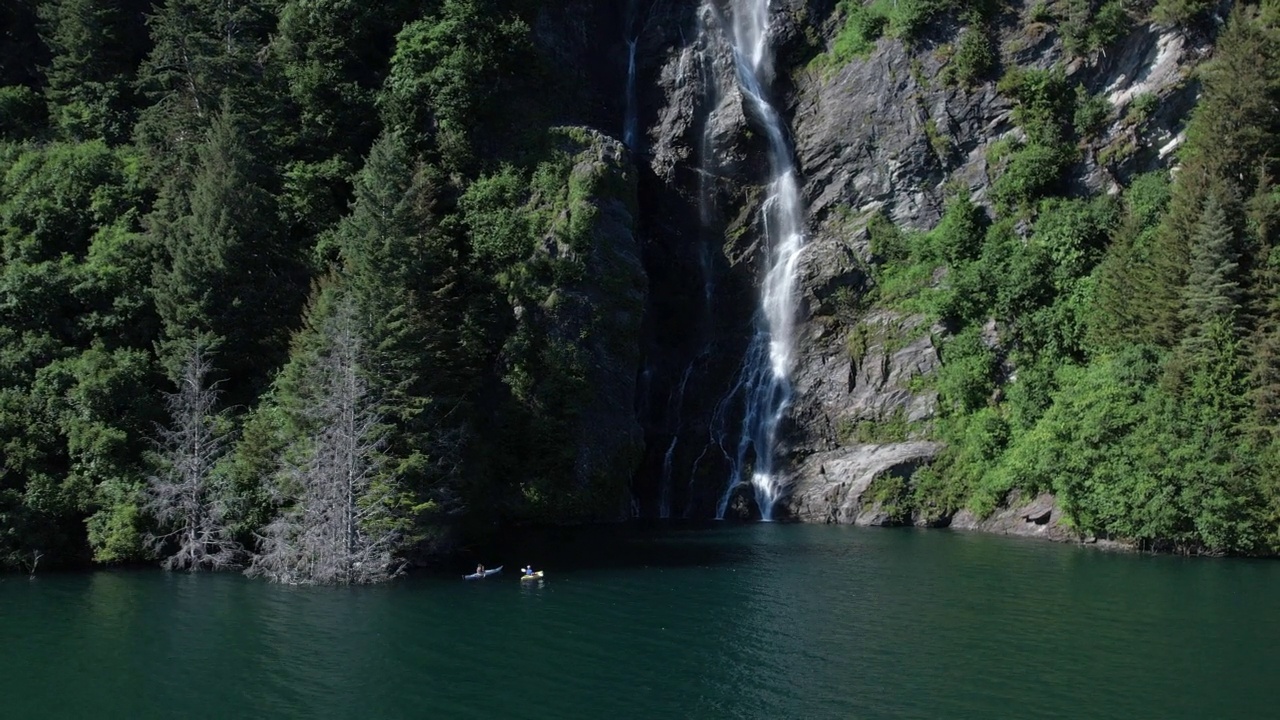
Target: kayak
[(481, 576), (535, 576)]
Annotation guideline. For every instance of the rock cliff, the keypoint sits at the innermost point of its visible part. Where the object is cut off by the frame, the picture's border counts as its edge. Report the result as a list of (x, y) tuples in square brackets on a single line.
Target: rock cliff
[(887, 133)]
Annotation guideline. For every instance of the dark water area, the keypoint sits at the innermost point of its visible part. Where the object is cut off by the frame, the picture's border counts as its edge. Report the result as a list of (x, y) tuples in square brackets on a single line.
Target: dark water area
[(758, 621)]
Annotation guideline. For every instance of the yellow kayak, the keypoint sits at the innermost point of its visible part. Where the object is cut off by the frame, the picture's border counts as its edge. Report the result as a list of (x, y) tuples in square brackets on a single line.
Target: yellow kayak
[(535, 576)]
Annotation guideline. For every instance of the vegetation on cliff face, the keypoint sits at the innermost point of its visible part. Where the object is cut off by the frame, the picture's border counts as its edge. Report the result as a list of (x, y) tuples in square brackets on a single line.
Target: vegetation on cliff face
[(1120, 352), (203, 180), (365, 225)]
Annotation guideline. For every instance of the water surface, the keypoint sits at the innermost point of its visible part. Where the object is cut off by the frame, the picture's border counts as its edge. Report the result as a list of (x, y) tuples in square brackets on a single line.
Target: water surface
[(763, 621)]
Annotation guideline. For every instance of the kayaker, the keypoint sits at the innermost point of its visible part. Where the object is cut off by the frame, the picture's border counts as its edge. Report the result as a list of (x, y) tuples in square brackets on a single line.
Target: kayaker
[(480, 569), (528, 571)]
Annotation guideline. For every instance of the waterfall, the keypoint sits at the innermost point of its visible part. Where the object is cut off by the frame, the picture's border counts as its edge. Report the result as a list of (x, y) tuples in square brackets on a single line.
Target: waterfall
[(631, 121), (664, 497), (665, 489), (764, 380)]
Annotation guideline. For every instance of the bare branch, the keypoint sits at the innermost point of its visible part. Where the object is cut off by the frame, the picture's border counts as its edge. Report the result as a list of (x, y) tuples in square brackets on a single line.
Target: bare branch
[(341, 527), (183, 496)]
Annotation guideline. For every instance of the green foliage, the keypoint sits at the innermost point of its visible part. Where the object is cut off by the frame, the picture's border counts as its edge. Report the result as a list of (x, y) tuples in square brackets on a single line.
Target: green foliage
[(1141, 108), (95, 45), (1132, 357), (891, 492), (1043, 103), (864, 24), (939, 142), (1092, 113), (1180, 12), (893, 429), (1089, 25), (1033, 171), (184, 176), (22, 112), (204, 53), (968, 374), (500, 230), (451, 78), (975, 57), (1044, 107), (862, 27), (226, 279)]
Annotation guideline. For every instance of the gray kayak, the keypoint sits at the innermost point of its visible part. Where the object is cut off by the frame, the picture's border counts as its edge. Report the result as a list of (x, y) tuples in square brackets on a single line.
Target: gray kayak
[(485, 574)]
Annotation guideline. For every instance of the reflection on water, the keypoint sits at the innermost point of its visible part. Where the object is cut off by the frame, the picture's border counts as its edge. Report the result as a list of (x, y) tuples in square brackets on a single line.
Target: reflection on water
[(740, 622)]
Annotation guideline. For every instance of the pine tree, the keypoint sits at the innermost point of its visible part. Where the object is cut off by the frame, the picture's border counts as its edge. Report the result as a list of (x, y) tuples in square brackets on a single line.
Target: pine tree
[(452, 78), (1229, 140), (1212, 294), (401, 271), (184, 496), (204, 52), (335, 55), (1263, 217), (229, 283), (96, 47), (344, 515), (1235, 123), (20, 44)]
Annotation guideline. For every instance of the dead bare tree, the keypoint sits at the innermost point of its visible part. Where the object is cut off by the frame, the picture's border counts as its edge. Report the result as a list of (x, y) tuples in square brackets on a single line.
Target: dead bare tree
[(340, 524), (183, 496)]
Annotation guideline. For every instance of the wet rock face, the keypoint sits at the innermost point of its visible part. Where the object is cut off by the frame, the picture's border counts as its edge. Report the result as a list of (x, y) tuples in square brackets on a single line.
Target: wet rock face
[(886, 133), (702, 173), (835, 482), (742, 504), (883, 133)]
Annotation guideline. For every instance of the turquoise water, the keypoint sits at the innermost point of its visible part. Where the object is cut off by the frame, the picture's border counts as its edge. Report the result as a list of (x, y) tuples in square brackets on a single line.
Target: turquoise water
[(764, 621)]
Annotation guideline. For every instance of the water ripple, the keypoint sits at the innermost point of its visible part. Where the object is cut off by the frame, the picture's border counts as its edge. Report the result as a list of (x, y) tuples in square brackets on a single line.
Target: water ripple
[(734, 622)]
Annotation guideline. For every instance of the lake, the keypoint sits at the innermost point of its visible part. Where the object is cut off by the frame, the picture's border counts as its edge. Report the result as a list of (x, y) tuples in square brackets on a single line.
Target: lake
[(721, 621)]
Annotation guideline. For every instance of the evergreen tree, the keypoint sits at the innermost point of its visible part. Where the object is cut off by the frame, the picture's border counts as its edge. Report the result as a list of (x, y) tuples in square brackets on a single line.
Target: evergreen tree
[(1212, 294), (20, 47), (1235, 125), (333, 55), (204, 51), (401, 271), (96, 45), (229, 283), (452, 79), (344, 516), (1229, 140)]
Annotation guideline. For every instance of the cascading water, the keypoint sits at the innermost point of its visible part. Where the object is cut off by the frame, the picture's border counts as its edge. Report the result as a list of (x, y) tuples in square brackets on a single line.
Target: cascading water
[(665, 489), (630, 122), (764, 383)]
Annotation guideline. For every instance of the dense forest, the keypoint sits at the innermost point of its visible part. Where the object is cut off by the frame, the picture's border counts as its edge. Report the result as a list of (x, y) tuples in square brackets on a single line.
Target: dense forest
[(236, 234), (1119, 351), (300, 286)]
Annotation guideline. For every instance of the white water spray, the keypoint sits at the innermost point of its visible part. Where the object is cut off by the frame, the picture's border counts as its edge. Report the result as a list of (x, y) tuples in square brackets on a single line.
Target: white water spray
[(764, 381)]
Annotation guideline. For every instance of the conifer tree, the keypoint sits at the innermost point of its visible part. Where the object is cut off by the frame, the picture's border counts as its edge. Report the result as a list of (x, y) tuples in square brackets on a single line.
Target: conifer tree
[(96, 47), (184, 496), (1229, 140), (401, 271), (204, 52), (20, 44), (333, 56), (344, 516), (229, 283), (1212, 293)]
